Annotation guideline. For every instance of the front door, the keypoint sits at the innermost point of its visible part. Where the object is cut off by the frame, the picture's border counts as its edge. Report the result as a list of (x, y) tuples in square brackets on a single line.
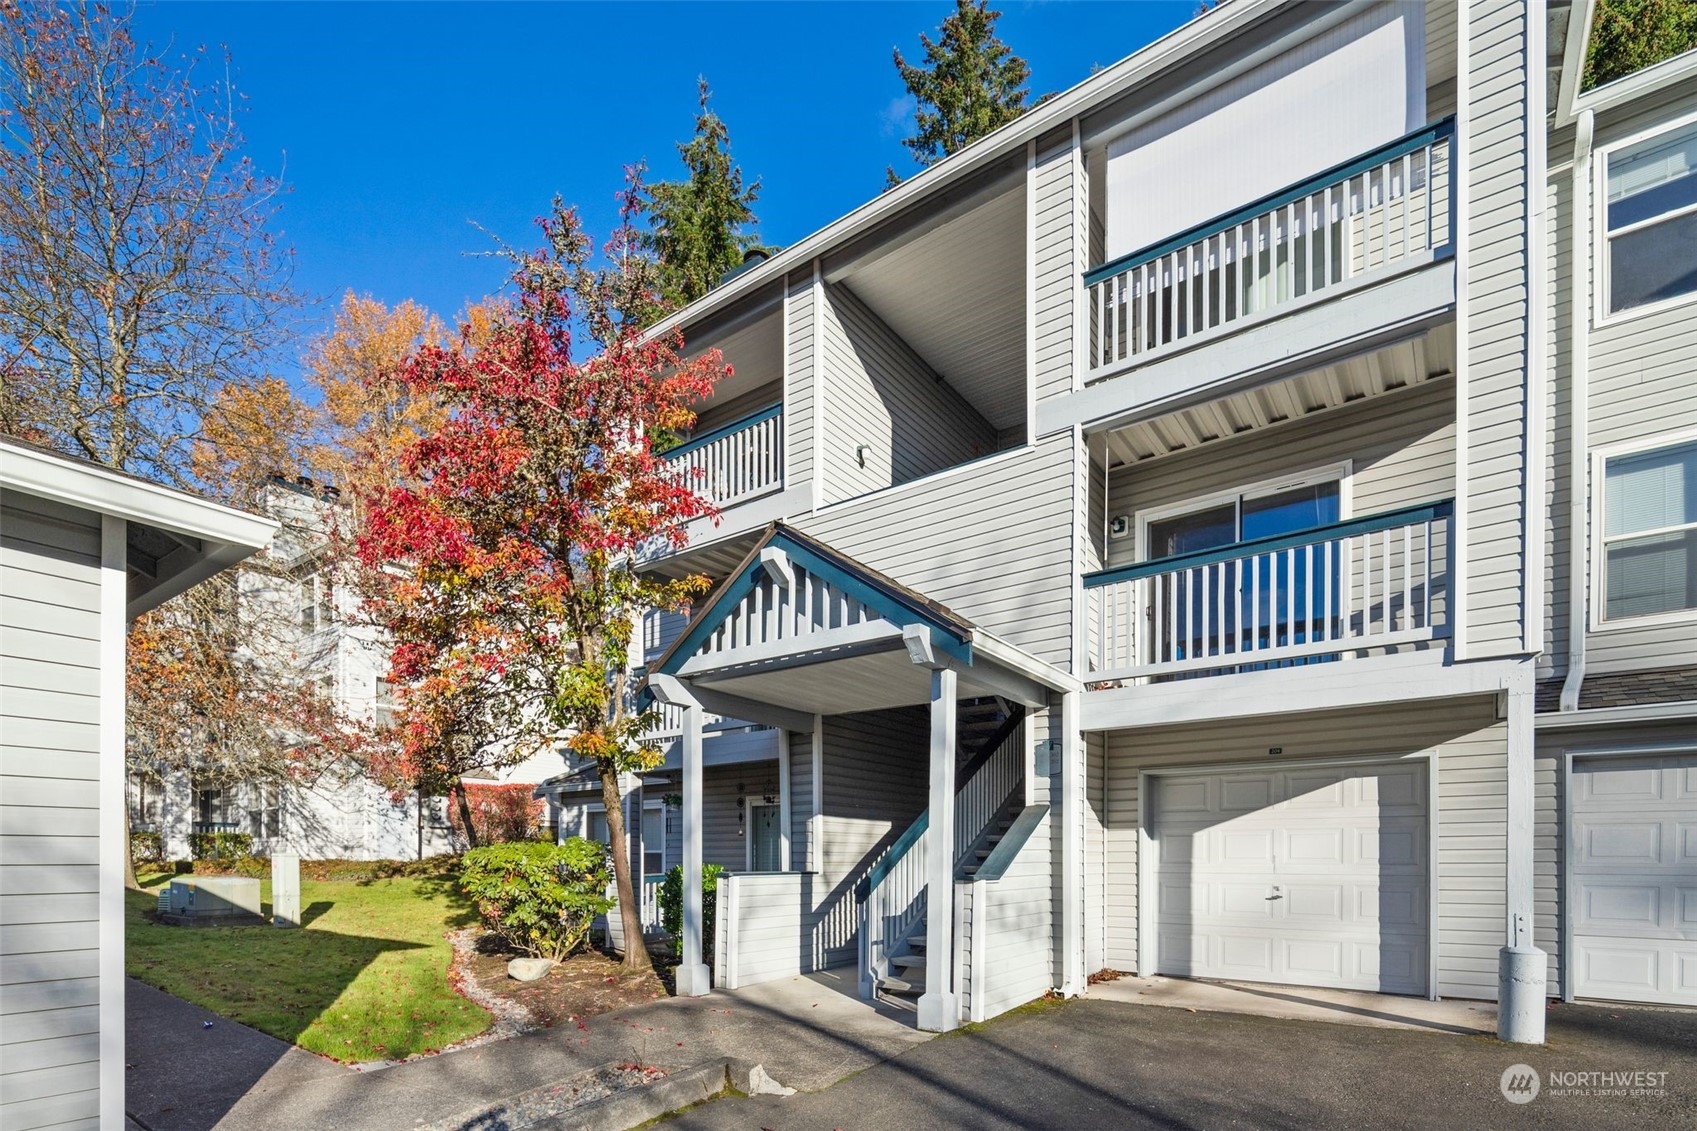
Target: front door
[(766, 847)]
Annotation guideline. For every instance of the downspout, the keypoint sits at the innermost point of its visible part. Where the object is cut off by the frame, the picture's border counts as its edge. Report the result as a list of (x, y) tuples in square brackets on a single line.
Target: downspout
[(1578, 411)]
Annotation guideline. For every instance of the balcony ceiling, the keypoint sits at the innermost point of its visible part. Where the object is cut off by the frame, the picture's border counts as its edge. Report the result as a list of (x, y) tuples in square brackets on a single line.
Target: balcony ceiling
[(755, 353), (957, 295), (1400, 366)]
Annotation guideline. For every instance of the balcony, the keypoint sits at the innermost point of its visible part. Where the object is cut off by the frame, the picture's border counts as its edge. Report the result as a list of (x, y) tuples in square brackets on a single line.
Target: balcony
[(1382, 214), (1365, 584), (741, 461)]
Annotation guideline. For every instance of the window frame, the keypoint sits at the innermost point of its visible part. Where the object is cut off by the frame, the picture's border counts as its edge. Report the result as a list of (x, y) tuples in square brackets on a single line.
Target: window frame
[(594, 808), (1341, 473), (1603, 272), (1597, 519)]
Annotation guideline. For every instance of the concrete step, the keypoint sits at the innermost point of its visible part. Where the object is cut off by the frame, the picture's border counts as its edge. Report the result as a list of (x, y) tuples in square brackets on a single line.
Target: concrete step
[(891, 984)]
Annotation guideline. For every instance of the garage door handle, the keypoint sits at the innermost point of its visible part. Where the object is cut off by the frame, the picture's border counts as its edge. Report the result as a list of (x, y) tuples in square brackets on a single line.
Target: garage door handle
[(1278, 893)]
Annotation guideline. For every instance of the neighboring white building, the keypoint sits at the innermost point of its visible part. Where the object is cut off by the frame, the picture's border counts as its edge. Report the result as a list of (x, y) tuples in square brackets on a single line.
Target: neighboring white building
[(343, 814), (83, 551), (1289, 433)]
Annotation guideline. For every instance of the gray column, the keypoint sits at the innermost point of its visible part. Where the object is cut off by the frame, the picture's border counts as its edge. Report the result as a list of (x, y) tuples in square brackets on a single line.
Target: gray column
[(693, 979), (939, 1011)]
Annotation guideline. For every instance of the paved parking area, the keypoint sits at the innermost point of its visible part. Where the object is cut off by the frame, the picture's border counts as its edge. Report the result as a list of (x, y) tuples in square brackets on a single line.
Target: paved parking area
[(1095, 1063)]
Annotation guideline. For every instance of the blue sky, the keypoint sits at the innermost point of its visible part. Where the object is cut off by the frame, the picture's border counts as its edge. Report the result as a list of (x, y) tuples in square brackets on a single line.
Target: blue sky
[(399, 125)]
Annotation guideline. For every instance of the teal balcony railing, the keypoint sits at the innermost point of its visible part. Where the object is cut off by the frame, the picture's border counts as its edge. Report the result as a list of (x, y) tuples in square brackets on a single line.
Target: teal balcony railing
[(1384, 212)]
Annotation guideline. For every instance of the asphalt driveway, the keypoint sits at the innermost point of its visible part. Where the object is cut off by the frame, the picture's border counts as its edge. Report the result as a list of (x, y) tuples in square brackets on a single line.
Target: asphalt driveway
[(1088, 1064)]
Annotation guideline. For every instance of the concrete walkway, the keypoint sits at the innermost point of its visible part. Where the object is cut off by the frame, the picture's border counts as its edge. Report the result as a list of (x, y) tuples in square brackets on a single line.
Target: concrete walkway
[(807, 1032), (1301, 1003), (1092, 1063)]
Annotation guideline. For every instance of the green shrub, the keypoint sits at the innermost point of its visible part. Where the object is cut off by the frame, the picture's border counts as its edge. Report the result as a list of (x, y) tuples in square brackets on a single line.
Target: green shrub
[(672, 907), (214, 846), (539, 898), (147, 848)]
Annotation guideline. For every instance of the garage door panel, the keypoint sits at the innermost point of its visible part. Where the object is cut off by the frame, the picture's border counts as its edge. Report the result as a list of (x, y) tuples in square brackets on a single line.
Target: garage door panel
[(1315, 902), (1180, 796), (1245, 795), (1624, 783), (1241, 901), (1322, 847), (1619, 842), (1323, 884), (1633, 834), (1246, 847), (1624, 906)]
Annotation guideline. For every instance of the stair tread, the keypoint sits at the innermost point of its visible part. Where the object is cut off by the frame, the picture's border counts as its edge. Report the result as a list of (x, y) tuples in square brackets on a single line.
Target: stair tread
[(898, 985), (908, 961)]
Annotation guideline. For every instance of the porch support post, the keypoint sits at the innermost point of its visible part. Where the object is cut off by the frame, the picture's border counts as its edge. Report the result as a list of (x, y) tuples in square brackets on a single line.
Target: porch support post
[(1521, 966), (1072, 848), (939, 1010), (693, 978)]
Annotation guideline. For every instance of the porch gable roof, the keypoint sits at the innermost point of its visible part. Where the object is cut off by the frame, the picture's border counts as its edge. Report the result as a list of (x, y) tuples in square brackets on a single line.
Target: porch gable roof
[(876, 596)]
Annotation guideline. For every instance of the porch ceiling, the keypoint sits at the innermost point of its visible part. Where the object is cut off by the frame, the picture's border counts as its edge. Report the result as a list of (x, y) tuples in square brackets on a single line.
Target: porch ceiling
[(1400, 366), (957, 295), (869, 682), (755, 353)]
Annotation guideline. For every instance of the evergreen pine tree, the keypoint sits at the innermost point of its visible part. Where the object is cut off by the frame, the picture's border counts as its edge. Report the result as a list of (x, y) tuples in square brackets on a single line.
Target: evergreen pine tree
[(968, 84), (702, 224)]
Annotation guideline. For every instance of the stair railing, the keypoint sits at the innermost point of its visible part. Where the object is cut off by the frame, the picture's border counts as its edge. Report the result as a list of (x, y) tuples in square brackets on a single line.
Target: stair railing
[(891, 896)]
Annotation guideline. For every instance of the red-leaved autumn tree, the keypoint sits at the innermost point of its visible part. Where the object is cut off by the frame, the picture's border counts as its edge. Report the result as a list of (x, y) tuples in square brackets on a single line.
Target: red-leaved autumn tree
[(516, 587)]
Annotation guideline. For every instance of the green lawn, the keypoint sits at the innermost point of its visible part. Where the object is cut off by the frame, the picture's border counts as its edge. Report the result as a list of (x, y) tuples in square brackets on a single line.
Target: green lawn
[(367, 978)]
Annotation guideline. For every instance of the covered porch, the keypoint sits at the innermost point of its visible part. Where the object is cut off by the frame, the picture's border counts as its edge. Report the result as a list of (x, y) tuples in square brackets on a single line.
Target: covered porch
[(899, 725)]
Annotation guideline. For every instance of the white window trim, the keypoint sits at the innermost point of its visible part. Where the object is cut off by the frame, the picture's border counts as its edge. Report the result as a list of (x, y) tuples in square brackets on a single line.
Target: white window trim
[(1600, 314), (1597, 567), (1341, 473), (601, 808)]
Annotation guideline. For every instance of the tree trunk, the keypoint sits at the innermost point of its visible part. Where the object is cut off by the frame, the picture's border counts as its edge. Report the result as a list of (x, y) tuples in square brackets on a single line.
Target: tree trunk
[(130, 880), (630, 909), (465, 815)]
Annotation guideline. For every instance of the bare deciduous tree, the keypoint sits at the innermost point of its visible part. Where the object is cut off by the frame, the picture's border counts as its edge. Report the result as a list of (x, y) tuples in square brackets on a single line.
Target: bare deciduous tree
[(136, 271)]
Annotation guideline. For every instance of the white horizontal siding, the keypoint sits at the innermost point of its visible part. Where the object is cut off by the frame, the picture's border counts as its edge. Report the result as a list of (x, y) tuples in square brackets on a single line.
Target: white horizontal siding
[(800, 380), (1058, 240), (1401, 448), (992, 541), (1641, 387), (889, 418), (1472, 789), (49, 812), (1495, 348), (767, 940), (1013, 929)]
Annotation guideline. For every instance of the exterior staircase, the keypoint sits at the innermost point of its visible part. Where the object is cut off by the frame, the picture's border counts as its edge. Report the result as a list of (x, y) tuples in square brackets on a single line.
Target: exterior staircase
[(907, 964), (989, 795)]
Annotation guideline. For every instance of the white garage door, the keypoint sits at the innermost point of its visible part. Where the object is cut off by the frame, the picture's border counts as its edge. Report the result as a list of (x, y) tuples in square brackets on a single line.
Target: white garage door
[(1313, 877), (1633, 848)]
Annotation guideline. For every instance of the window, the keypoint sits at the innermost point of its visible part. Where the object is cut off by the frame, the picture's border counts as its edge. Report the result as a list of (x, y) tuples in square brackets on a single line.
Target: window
[(1651, 220), (214, 810), (1649, 552), (265, 811), (598, 827), (316, 603), (1263, 604), (653, 840), (385, 703)]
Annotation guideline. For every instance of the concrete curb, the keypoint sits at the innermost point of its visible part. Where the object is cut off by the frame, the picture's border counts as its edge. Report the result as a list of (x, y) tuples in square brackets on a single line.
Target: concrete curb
[(636, 1106)]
